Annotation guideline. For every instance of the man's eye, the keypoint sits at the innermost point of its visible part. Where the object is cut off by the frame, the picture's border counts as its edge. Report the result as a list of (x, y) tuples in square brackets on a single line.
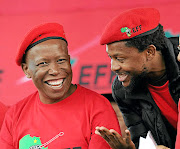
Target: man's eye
[(110, 57), (120, 59), (61, 60), (42, 64)]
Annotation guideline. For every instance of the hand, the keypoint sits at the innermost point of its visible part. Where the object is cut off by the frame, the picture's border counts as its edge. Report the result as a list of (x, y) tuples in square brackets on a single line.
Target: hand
[(161, 147), (114, 139), (178, 57)]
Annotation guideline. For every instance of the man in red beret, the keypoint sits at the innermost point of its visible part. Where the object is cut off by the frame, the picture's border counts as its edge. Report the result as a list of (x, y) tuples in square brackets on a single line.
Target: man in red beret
[(59, 114), (147, 86)]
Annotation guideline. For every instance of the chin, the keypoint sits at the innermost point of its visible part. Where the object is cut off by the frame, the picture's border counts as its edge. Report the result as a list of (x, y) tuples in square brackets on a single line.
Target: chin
[(126, 84), (137, 83)]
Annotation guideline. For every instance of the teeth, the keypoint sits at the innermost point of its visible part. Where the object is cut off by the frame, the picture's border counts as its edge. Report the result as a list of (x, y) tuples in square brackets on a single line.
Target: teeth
[(55, 82), (122, 74), (122, 77)]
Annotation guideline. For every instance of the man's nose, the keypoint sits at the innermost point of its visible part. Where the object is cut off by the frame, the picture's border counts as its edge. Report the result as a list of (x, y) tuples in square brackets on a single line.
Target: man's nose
[(114, 65), (53, 69)]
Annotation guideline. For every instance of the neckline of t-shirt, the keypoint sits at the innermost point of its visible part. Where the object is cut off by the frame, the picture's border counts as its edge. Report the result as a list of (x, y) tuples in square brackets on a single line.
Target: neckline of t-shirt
[(159, 88), (60, 103)]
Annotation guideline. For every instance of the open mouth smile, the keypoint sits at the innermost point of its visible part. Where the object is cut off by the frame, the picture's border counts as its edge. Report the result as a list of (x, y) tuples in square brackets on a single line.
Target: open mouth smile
[(122, 76), (55, 83)]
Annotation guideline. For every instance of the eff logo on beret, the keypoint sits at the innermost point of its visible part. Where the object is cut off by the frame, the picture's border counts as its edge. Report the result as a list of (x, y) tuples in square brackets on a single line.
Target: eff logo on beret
[(135, 22), (128, 30)]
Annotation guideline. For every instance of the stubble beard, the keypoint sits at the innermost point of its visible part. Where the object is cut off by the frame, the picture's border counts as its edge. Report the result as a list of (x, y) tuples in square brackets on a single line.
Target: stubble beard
[(138, 83)]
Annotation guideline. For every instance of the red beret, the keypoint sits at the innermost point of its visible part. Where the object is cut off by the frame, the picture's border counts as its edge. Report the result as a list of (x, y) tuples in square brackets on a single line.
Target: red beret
[(132, 23), (39, 34)]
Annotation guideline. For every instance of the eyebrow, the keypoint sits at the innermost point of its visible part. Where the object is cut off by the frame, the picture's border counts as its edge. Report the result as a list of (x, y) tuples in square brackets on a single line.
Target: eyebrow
[(41, 59), (116, 54)]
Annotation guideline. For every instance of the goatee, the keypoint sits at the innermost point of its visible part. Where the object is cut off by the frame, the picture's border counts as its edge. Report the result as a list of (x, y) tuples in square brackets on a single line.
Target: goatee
[(138, 83)]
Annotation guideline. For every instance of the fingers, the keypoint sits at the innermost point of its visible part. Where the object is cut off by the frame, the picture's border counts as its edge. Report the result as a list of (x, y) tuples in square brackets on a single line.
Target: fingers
[(161, 147), (178, 57), (103, 132), (116, 135), (114, 139), (128, 136), (110, 136)]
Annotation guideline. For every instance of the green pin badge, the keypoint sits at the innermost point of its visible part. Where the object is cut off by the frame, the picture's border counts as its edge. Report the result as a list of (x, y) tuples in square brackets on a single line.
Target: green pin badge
[(126, 30)]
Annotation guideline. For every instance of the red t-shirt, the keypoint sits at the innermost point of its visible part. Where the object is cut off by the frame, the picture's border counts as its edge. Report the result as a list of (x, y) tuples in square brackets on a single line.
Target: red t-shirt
[(30, 123), (3, 110), (164, 101)]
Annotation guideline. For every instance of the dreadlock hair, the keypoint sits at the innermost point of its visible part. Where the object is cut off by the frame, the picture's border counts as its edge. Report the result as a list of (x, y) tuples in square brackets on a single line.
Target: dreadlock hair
[(157, 39)]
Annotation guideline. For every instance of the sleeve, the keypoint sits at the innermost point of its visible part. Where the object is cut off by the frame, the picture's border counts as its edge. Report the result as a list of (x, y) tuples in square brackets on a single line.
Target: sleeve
[(3, 110), (102, 114), (6, 140), (131, 117)]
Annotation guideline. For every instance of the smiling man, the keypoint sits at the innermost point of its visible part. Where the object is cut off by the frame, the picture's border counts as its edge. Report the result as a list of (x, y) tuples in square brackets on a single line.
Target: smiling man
[(59, 114), (147, 86)]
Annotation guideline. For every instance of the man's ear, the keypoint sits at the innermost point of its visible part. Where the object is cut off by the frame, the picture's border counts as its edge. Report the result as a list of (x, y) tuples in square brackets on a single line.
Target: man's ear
[(150, 52), (26, 70)]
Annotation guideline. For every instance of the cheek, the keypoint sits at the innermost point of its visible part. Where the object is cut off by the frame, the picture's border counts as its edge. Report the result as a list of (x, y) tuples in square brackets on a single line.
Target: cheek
[(139, 62), (135, 66), (37, 75), (67, 68), (32, 69), (139, 68)]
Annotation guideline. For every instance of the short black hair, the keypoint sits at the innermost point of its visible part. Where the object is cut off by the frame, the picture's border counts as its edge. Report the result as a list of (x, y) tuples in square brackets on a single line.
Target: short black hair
[(24, 57), (141, 43)]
